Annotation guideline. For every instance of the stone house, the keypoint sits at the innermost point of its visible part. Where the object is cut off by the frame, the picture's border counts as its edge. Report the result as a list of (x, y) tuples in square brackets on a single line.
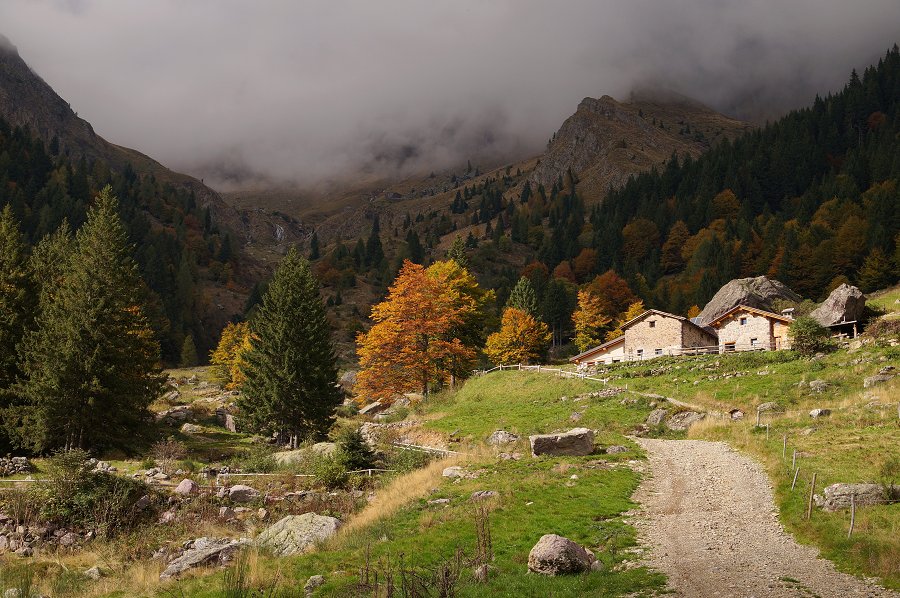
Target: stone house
[(745, 328), (652, 334)]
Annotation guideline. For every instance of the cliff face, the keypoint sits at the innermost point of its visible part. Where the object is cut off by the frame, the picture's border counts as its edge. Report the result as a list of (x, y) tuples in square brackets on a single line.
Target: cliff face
[(606, 141)]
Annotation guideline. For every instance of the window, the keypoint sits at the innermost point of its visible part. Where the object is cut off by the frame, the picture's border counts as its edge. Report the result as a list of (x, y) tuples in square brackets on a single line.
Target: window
[(729, 347), (753, 342), (652, 323), (657, 351), (615, 361), (640, 353), (743, 321)]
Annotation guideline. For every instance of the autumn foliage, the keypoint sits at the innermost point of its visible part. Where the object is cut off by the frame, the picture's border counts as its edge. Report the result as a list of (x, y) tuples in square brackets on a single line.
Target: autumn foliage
[(228, 356), (589, 320), (521, 339), (420, 332)]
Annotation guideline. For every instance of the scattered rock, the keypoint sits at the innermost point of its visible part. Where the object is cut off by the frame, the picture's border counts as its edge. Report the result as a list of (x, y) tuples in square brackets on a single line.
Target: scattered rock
[(845, 304), (454, 471), (296, 534), (203, 552), (684, 419), (262, 514), (312, 583), (439, 501), (818, 386), (373, 408), (837, 496), (817, 413), (575, 442), (226, 513), (770, 406), (616, 448), (483, 495), (93, 573), (515, 456), (10, 466), (242, 493), (187, 487), (556, 555), (191, 429), (876, 380), (502, 437), (736, 414), (657, 416), (175, 415)]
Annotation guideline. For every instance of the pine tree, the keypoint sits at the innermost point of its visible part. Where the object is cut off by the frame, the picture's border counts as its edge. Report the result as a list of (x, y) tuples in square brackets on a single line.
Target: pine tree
[(91, 364), (189, 352), (290, 370), (523, 297), (314, 251), (374, 249), (457, 252)]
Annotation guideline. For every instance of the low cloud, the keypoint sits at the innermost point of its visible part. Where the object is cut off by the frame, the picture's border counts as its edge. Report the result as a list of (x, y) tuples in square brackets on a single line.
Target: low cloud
[(306, 91)]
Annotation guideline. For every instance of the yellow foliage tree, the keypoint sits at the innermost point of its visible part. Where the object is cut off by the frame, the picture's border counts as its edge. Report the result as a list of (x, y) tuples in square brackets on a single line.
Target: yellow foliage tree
[(521, 339), (227, 357), (633, 311), (589, 320), (411, 345), (693, 312)]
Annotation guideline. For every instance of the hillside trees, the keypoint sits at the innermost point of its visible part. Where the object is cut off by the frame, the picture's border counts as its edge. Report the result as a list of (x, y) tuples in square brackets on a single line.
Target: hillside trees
[(589, 320), (521, 339), (290, 369), (523, 297), (424, 332), (90, 365)]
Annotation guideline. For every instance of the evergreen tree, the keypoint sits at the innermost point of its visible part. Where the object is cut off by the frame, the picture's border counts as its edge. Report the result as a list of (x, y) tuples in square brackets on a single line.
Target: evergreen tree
[(374, 249), (91, 364), (414, 247), (876, 273), (189, 352), (523, 297), (457, 252), (314, 247), (290, 369)]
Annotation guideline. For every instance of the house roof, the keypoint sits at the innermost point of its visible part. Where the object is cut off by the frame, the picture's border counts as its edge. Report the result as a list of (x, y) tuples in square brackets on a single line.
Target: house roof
[(598, 348), (752, 310), (705, 329)]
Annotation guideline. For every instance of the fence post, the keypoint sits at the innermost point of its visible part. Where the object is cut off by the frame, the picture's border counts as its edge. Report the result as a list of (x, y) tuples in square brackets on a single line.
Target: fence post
[(757, 418), (794, 483), (784, 447), (794, 459), (852, 514), (812, 489)]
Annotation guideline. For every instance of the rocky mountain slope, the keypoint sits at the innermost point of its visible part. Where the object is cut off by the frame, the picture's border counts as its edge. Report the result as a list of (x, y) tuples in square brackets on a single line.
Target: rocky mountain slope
[(607, 141)]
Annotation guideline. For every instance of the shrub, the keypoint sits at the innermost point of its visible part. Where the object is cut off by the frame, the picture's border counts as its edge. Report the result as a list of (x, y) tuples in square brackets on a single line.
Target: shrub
[(406, 461), (258, 459), (354, 452), (167, 452), (808, 337), (330, 471)]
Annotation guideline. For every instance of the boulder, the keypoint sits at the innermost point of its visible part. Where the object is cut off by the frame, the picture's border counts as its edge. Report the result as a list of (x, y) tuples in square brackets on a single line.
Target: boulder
[(759, 292), (616, 448), (502, 437), (93, 573), (817, 413), (348, 379), (483, 495), (312, 583), (657, 416), (296, 534), (683, 420), (837, 496), (226, 513), (736, 414), (295, 456), (242, 493), (454, 471), (575, 442), (818, 386), (187, 487), (770, 406), (556, 555), (876, 380), (845, 304), (202, 552), (191, 429), (373, 408)]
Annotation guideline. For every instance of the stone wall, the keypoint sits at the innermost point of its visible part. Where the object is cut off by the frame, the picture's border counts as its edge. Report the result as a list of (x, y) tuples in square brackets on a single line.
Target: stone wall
[(693, 336), (665, 335), (756, 327)]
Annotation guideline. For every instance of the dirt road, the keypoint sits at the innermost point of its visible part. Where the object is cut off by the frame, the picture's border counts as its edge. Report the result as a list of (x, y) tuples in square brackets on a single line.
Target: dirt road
[(709, 519)]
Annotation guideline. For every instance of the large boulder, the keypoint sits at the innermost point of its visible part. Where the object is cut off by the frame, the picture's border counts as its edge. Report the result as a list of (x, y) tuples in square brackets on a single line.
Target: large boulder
[(759, 292), (837, 496), (242, 493), (575, 442), (845, 304), (296, 534), (683, 420), (187, 487), (657, 416), (203, 552), (556, 555)]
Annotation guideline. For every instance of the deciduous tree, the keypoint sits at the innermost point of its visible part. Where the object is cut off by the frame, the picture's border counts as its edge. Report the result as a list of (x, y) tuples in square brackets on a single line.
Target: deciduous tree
[(589, 320), (521, 339)]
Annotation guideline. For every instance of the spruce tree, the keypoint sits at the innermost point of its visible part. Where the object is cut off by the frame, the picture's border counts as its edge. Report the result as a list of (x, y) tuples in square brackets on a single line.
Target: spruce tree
[(189, 352), (291, 373), (523, 297), (91, 363), (314, 250), (457, 252)]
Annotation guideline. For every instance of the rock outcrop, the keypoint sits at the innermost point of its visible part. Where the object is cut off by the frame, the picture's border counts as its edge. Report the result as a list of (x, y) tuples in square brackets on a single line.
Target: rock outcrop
[(575, 442), (203, 552), (556, 555), (845, 304), (296, 534), (502, 437), (683, 420), (837, 496), (760, 292)]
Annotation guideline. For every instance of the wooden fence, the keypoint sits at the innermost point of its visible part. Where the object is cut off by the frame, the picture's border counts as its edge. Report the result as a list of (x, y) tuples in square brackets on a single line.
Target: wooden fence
[(542, 369)]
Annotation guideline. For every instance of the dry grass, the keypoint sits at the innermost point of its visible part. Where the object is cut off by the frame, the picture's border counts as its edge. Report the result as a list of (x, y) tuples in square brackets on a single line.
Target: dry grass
[(397, 494)]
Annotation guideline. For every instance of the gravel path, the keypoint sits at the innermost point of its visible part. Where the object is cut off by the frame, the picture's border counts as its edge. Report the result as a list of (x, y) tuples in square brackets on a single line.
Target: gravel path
[(709, 519)]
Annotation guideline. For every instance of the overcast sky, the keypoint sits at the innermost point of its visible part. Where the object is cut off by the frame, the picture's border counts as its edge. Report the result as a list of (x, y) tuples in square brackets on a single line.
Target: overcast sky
[(300, 90)]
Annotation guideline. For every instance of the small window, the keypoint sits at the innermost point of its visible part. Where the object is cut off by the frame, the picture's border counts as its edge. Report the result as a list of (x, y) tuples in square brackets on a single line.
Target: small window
[(652, 323), (615, 361), (729, 347), (753, 342), (658, 351), (640, 352), (743, 321)]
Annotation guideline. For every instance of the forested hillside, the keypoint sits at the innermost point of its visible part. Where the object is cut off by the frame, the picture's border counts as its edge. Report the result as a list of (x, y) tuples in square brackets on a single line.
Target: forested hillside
[(176, 243)]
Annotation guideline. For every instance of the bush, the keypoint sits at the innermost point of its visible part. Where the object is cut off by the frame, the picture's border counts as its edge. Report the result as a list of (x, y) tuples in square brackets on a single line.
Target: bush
[(330, 471), (258, 459), (808, 337), (407, 461), (167, 452)]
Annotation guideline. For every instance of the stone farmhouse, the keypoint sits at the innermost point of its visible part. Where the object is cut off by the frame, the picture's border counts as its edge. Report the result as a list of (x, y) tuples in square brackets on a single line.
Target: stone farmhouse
[(652, 334), (745, 328)]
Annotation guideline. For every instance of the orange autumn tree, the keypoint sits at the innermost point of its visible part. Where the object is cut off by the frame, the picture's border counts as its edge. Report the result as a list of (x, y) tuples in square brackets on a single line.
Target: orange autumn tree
[(408, 348), (521, 339), (589, 320), (633, 311)]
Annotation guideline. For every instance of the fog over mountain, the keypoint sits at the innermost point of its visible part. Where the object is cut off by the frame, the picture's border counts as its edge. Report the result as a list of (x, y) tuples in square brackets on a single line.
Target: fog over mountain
[(301, 91)]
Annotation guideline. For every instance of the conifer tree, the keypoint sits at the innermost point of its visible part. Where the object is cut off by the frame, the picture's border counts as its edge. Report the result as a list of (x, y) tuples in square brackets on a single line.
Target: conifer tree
[(290, 369), (189, 352), (523, 297), (91, 365), (314, 251), (457, 252)]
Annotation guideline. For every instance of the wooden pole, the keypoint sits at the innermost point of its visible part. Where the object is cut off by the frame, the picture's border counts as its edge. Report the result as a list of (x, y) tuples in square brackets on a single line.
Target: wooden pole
[(812, 489), (794, 460), (757, 418), (794, 483), (767, 431), (784, 447), (852, 514)]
